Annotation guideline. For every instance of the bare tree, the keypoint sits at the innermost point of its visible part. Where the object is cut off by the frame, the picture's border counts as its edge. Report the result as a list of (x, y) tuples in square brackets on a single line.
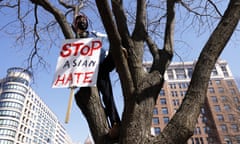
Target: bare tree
[(140, 88)]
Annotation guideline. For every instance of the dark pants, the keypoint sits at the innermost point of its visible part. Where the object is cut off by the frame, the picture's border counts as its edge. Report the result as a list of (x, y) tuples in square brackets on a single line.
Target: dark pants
[(105, 88)]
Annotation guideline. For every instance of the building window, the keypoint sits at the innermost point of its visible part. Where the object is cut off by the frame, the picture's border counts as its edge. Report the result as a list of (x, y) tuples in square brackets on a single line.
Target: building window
[(220, 117), (223, 98), (221, 90), (170, 74), (224, 70), (209, 83), (174, 93), (157, 130), (218, 82), (202, 110), (234, 127), (165, 120), (180, 73), (236, 99), (232, 91), (214, 99), (4, 141), (197, 141), (227, 107), (183, 85), (197, 130), (231, 117), (182, 93), (164, 110), (190, 72), (175, 102), (214, 72), (238, 138), (7, 132), (211, 90), (206, 130), (204, 119), (163, 101), (172, 85), (223, 128), (162, 93), (229, 83), (155, 111), (155, 120), (217, 108)]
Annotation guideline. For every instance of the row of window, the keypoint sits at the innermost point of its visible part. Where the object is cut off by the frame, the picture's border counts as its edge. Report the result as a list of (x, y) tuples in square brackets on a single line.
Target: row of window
[(225, 99), (219, 82), (5, 141), (156, 121), (9, 123), (17, 79), (11, 105), (211, 90), (180, 73), (182, 85), (7, 132), (15, 87), (224, 128), (220, 117), (226, 107), (10, 113), (175, 102), (164, 110), (13, 95)]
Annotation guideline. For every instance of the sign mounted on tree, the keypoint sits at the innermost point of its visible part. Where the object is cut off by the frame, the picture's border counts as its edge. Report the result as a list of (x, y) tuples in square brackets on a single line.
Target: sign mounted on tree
[(78, 63)]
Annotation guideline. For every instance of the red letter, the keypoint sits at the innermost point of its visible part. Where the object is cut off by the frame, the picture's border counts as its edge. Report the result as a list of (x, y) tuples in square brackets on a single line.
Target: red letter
[(85, 50), (60, 80), (77, 45), (95, 45), (66, 48), (69, 79), (87, 77), (78, 76)]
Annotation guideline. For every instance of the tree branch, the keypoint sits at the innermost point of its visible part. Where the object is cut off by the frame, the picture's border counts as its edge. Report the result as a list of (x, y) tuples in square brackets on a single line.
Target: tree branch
[(60, 17), (115, 46)]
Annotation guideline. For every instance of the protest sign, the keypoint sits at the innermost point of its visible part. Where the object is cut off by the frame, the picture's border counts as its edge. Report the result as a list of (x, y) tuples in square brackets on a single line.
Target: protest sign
[(78, 63)]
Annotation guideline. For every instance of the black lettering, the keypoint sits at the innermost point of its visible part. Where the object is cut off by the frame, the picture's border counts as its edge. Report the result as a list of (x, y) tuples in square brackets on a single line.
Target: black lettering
[(67, 65)]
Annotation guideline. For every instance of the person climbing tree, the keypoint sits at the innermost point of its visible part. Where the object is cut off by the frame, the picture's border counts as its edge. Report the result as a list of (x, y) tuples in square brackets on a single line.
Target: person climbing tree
[(80, 28)]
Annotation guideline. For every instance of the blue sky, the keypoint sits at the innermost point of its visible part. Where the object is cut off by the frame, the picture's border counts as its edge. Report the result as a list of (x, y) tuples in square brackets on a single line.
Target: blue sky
[(57, 99)]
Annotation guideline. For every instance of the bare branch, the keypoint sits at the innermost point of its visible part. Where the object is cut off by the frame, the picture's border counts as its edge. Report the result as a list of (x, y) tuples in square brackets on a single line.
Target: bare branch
[(34, 51), (215, 7), (61, 19)]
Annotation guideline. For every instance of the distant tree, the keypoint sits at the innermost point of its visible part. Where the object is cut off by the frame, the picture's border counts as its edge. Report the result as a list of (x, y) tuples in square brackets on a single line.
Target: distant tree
[(148, 24)]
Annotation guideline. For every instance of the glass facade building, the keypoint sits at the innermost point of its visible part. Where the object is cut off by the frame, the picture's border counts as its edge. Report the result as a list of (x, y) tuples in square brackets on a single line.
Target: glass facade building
[(24, 118)]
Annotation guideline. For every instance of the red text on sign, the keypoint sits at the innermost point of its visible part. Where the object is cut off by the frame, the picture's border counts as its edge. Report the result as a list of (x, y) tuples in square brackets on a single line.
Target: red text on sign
[(75, 49), (75, 77)]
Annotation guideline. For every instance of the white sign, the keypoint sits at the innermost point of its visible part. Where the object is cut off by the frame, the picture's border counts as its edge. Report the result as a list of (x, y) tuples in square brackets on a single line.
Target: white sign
[(78, 63)]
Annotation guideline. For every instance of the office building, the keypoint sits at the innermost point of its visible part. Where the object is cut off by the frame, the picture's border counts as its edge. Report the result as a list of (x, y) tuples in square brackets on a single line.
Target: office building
[(218, 122), (24, 117)]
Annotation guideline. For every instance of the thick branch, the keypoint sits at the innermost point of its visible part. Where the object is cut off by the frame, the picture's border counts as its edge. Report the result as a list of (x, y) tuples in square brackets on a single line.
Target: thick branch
[(116, 45), (121, 22), (139, 30)]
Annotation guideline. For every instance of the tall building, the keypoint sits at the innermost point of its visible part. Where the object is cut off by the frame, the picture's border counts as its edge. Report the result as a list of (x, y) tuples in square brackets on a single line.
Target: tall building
[(24, 118), (218, 122)]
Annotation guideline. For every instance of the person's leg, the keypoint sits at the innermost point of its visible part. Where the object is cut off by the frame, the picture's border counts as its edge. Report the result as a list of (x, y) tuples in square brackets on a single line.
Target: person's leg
[(105, 87)]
